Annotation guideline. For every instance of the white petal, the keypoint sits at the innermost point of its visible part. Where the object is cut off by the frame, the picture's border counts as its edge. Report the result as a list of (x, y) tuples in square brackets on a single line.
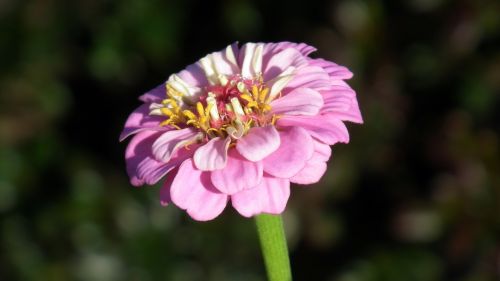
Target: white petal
[(210, 72), (246, 70), (257, 59), (278, 83)]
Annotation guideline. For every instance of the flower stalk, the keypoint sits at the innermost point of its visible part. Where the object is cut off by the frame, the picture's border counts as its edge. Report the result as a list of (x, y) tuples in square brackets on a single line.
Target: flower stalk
[(274, 248)]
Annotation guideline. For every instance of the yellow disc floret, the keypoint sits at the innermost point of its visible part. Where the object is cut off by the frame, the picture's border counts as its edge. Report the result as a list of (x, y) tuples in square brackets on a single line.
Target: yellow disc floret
[(224, 110)]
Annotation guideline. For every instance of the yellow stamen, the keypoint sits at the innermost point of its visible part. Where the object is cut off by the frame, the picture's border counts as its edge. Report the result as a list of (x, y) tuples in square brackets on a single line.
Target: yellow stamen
[(199, 108), (246, 97), (263, 94), (190, 115), (166, 111), (255, 92)]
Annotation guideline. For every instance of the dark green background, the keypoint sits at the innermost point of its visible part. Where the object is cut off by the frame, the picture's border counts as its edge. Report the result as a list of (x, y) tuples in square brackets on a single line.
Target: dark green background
[(414, 196)]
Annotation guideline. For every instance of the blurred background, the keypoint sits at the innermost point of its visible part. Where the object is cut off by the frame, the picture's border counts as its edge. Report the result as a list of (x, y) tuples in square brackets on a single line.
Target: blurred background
[(414, 196)]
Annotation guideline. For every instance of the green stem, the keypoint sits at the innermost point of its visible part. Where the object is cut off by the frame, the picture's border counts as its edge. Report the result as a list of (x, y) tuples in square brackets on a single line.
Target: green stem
[(274, 249)]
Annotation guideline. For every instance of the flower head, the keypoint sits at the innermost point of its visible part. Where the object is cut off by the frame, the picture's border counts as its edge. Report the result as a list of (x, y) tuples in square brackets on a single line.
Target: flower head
[(240, 125)]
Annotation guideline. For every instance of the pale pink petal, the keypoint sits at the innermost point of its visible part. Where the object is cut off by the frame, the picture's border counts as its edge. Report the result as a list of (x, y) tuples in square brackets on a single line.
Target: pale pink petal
[(273, 48), (213, 155), (239, 174), (327, 129), (281, 61), (169, 142), (155, 95), (140, 120), (301, 101), (270, 197), (194, 75), (295, 149), (193, 191), (223, 64), (258, 143), (311, 173)]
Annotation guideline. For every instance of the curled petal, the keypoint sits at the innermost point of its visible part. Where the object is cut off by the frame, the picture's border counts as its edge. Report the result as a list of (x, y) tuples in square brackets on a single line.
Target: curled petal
[(169, 142), (270, 196), (192, 190), (213, 155), (259, 143), (188, 91), (142, 167)]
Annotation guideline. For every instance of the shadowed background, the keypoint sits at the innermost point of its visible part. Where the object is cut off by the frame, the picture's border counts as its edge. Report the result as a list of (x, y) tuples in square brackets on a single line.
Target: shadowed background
[(414, 196)]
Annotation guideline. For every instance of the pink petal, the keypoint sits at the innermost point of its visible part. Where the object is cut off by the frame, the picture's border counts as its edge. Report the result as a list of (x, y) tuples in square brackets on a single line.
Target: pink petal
[(337, 98), (352, 113), (239, 174), (313, 77), (165, 198), (155, 95), (142, 167), (311, 173), (192, 190), (281, 61), (213, 155), (334, 70), (301, 101), (258, 143), (169, 142), (315, 167), (327, 129), (295, 149), (322, 151), (140, 120), (270, 196)]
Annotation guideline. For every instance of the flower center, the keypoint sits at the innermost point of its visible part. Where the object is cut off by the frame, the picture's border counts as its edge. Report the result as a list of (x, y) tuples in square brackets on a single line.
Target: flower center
[(230, 108)]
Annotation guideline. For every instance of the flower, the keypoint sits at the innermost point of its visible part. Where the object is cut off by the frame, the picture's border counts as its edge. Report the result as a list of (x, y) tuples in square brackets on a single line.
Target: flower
[(240, 125)]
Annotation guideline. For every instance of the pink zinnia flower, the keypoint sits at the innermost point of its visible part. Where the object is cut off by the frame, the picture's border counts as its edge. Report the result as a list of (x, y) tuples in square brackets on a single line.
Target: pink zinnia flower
[(240, 125)]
